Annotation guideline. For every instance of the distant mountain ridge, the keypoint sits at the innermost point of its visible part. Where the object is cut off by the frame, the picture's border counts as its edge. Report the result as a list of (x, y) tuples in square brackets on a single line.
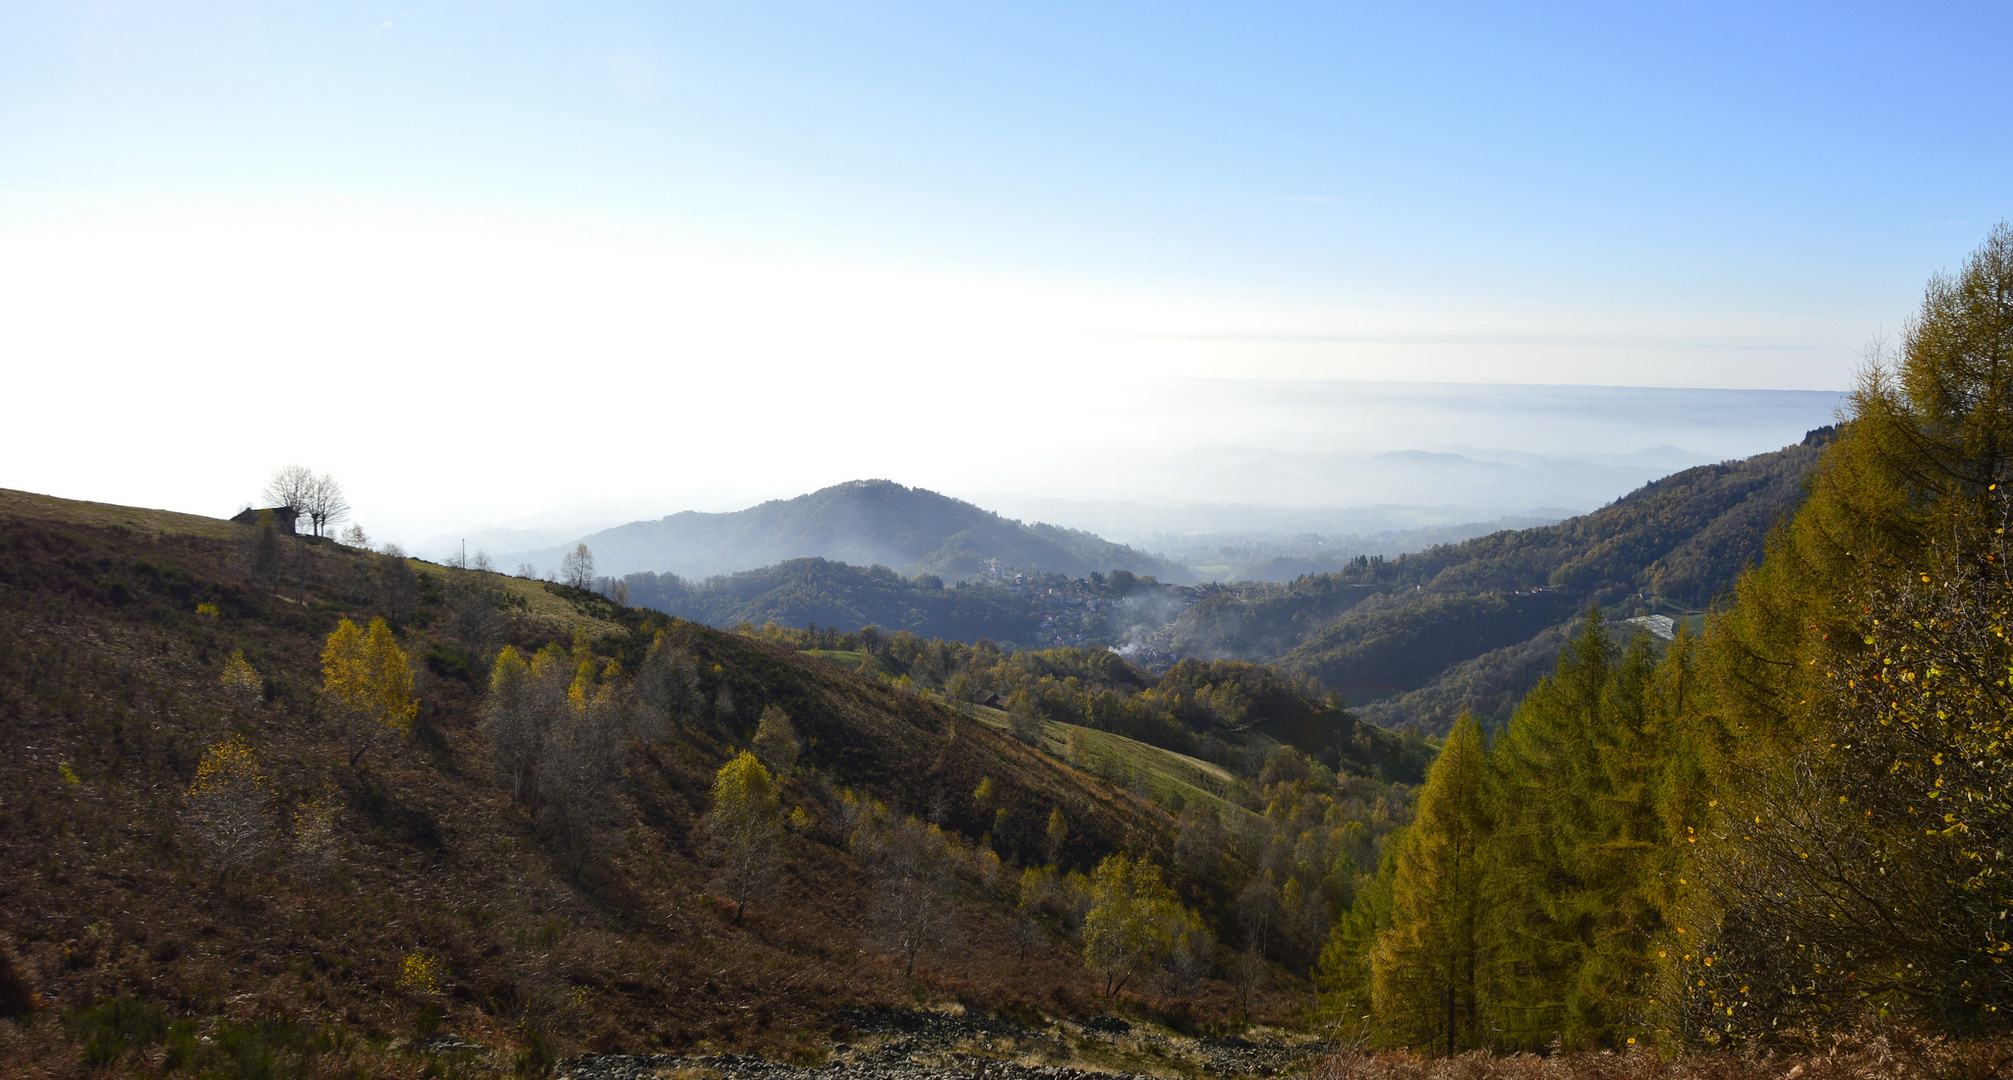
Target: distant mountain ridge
[(1411, 642), (862, 523)]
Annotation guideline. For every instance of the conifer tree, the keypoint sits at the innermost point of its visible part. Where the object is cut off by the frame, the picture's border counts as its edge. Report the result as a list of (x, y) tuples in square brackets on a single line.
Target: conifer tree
[(1821, 874), (1426, 970), (1578, 782), (1342, 974)]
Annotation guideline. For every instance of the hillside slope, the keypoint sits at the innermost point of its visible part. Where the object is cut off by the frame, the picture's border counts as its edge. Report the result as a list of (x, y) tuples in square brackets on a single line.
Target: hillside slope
[(864, 523), (1382, 630), (114, 628)]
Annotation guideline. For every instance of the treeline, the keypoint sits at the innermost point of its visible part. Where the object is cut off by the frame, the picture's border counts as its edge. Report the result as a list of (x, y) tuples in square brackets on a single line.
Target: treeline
[(819, 592), (1794, 824)]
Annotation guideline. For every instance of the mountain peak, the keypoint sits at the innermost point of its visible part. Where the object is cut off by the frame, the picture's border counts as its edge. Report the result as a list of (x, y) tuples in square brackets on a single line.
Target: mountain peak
[(860, 522)]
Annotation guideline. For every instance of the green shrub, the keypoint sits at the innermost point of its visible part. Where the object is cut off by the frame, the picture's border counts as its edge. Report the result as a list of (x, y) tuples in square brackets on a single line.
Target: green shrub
[(111, 1028)]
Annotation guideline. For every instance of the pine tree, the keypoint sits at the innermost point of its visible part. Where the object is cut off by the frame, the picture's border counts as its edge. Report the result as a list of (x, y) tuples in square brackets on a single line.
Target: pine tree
[(1427, 966)]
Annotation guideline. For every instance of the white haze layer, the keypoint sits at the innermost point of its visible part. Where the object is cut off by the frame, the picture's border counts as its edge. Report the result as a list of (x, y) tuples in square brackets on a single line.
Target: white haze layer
[(454, 371)]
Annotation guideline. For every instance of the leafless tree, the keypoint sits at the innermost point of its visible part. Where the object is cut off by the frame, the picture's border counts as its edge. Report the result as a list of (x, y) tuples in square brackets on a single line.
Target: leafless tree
[(1027, 934), (577, 569), (474, 613), (667, 689), (317, 846), (230, 806), (325, 505), (395, 587), (1191, 957), (354, 537), (292, 486), (516, 717), (579, 768), (912, 911)]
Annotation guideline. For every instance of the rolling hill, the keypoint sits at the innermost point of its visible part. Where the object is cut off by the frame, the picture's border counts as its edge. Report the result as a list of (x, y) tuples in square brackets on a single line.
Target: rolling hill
[(1412, 641), (863, 523), (445, 924)]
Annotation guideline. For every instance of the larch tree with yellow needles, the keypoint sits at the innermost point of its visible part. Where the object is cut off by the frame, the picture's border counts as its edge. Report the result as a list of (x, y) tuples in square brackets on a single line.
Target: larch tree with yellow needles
[(367, 686)]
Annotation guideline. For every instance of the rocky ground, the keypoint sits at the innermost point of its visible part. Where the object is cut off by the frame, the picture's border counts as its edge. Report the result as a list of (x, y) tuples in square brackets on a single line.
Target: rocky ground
[(926, 1045)]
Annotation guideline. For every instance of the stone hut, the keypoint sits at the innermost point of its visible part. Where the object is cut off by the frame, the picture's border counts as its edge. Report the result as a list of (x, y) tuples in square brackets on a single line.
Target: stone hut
[(283, 516)]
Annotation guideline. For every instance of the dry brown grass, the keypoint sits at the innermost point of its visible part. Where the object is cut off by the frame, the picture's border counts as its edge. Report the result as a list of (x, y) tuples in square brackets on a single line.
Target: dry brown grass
[(107, 670)]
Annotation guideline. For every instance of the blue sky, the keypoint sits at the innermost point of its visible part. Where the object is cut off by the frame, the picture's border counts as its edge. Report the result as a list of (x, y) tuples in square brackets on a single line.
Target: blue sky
[(951, 200)]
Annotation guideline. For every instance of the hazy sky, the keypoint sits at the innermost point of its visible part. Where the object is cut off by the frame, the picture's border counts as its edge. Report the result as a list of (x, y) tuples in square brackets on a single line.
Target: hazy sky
[(485, 259)]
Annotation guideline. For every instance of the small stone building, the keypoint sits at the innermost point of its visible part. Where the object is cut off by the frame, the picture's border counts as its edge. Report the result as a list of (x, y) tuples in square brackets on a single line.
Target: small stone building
[(283, 516)]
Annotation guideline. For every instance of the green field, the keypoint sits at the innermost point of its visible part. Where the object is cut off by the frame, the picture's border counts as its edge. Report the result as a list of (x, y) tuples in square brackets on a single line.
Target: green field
[(1162, 774), (848, 660)]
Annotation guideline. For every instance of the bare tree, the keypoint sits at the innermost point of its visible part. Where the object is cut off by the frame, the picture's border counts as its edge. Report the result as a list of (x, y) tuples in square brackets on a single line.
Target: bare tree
[(291, 486), (230, 805), (1191, 957), (475, 616), (523, 700), (395, 586), (668, 684), (242, 683), (577, 569), (317, 845), (1027, 933), (325, 505), (578, 772), (912, 911)]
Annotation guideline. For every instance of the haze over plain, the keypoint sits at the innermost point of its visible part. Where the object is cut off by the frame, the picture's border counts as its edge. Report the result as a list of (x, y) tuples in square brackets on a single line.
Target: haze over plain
[(612, 261)]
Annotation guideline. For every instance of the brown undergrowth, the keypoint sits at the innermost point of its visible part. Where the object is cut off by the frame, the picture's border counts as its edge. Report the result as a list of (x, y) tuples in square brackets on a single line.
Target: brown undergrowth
[(112, 639)]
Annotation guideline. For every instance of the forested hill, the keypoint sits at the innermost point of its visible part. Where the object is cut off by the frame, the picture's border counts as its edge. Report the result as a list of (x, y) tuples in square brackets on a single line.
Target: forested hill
[(864, 523), (1412, 641)]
